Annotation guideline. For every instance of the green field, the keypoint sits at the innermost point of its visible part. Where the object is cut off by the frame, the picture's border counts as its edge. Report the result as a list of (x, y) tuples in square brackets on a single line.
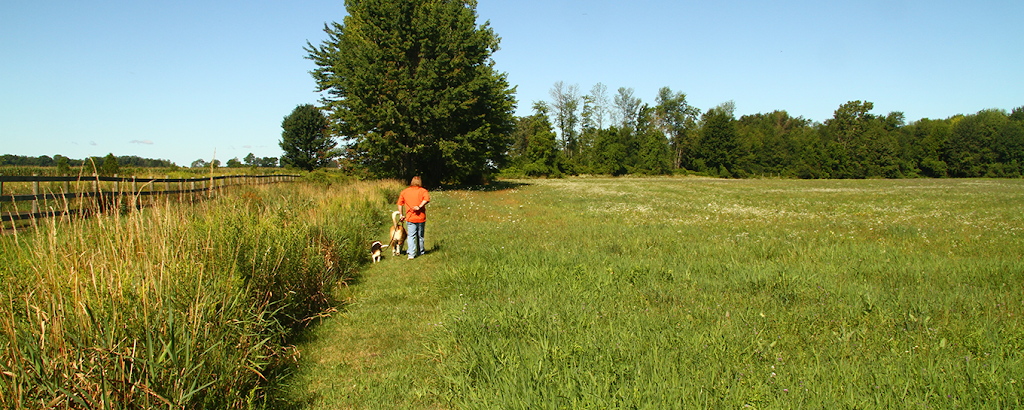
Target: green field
[(549, 293), (688, 293)]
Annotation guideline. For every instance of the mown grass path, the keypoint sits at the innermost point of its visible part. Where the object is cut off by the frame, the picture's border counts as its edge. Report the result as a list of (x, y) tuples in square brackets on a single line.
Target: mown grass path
[(374, 352), (683, 293), (370, 353)]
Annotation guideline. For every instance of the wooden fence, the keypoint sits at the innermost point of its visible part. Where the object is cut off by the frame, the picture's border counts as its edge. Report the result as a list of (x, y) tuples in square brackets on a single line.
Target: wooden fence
[(105, 192)]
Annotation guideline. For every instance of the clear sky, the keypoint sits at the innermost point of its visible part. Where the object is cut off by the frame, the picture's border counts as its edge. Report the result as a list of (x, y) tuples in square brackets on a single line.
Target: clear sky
[(190, 79)]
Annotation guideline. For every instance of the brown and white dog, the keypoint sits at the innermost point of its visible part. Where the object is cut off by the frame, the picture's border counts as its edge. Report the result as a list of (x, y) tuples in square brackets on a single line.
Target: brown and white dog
[(375, 248), (397, 233)]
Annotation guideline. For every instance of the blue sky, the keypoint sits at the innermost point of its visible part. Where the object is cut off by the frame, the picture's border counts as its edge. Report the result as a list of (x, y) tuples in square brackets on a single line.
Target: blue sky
[(193, 79)]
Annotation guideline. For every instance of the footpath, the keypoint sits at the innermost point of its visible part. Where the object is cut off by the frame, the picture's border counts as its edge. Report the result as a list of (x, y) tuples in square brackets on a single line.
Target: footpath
[(370, 354)]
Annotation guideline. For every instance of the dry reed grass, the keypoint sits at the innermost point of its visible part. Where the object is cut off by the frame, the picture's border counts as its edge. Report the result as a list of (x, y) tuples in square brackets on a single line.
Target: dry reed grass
[(174, 307)]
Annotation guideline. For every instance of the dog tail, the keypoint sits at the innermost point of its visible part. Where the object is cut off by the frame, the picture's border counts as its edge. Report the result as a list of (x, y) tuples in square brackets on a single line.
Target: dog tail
[(394, 218)]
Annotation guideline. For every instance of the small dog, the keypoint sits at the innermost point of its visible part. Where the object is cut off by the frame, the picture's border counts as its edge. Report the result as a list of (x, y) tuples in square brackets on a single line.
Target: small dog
[(375, 248), (397, 233)]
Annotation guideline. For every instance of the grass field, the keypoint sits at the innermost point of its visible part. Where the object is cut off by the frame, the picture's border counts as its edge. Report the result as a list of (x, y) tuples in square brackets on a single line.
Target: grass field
[(688, 293)]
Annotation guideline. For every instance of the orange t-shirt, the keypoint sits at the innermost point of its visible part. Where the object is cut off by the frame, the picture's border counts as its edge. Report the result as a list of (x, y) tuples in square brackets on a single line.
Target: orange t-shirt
[(413, 196)]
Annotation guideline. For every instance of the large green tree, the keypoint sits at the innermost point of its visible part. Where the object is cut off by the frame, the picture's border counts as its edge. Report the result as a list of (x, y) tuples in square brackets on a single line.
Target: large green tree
[(678, 120), (771, 143), (110, 166), (565, 101), (411, 87), (627, 107), (535, 151), (651, 156), (971, 148), (718, 138), (306, 139), (860, 144)]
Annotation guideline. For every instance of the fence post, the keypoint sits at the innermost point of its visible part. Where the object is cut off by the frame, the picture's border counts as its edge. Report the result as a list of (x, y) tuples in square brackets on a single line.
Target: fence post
[(135, 193), (192, 190), (65, 188), (35, 192), (96, 192), (116, 196)]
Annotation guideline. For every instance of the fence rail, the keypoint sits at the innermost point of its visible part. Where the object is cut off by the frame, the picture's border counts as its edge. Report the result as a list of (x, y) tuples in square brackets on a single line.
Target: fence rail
[(105, 198)]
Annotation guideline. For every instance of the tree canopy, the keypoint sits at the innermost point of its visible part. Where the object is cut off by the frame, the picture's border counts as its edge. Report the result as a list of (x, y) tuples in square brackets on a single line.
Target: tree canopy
[(306, 142), (676, 137), (412, 90)]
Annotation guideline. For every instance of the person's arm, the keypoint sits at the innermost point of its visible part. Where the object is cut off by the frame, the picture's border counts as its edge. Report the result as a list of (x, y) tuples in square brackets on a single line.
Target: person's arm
[(424, 202), (401, 208)]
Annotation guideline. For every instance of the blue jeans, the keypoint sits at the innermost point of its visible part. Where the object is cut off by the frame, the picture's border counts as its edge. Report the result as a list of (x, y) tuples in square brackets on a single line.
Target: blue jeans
[(415, 241)]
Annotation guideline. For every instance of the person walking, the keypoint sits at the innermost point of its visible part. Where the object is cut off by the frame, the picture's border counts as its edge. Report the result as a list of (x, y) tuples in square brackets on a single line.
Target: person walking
[(415, 198)]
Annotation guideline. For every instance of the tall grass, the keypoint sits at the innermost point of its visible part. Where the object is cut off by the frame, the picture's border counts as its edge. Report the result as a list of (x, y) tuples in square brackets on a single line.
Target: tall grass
[(87, 182), (694, 293), (175, 307)]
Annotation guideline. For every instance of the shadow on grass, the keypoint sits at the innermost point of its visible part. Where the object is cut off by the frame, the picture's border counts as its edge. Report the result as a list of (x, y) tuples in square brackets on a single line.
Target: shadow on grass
[(491, 187), (281, 392)]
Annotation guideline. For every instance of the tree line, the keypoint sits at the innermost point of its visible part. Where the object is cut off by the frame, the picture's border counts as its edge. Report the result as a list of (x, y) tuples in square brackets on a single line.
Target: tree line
[(111, 164), (61, 165), (410, 89), (575, 133), (58, 160), (250, 160)]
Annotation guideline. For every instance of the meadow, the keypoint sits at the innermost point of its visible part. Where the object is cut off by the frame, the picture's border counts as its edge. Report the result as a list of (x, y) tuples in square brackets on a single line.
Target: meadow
[(687, 293), (545, 293)]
